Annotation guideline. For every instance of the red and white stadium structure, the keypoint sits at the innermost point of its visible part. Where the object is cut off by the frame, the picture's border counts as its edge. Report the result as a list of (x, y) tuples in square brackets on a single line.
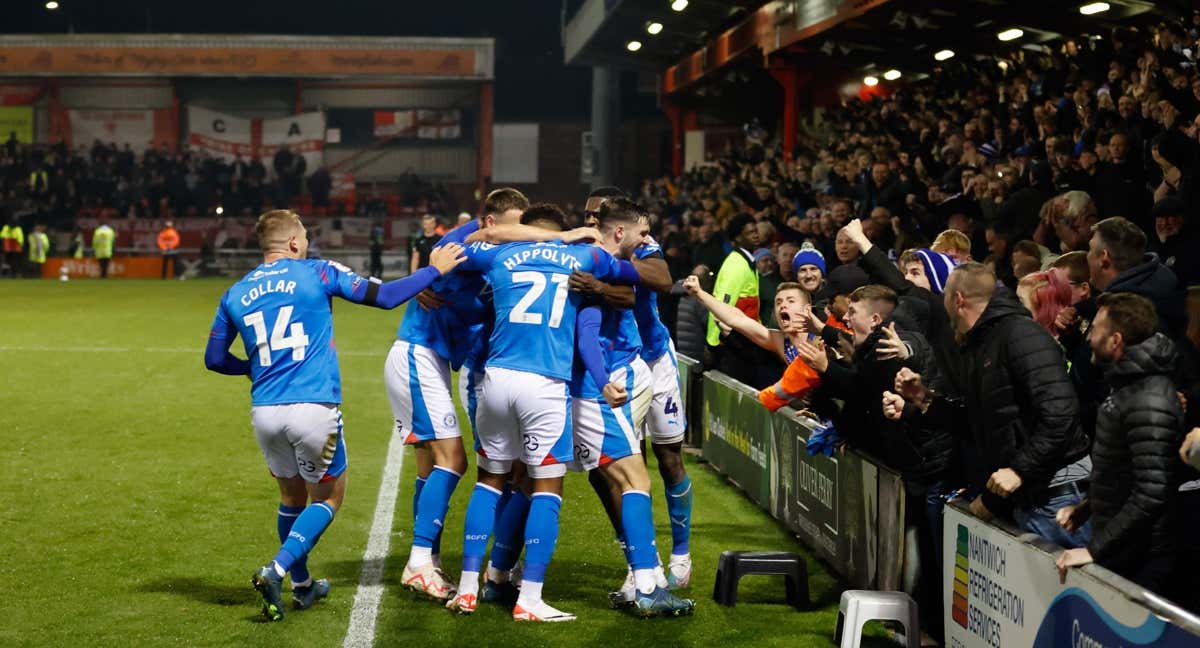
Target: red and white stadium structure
[(368, 109)]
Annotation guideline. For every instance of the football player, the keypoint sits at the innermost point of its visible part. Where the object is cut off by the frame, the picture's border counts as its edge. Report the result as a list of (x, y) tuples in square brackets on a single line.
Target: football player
[(282, 312)]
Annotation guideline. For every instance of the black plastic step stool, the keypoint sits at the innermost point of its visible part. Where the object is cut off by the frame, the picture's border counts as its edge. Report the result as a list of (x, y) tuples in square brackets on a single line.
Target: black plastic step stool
[(734, 564)]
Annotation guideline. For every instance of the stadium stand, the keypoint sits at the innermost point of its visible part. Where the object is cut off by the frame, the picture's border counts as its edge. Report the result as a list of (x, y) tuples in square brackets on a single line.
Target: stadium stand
[(983, 231), (1076, 156)]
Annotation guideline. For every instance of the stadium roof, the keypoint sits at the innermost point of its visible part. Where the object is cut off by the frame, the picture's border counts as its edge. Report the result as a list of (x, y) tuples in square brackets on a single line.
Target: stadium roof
[(600, 30), (905, 34), (159, 55), (868, 34)]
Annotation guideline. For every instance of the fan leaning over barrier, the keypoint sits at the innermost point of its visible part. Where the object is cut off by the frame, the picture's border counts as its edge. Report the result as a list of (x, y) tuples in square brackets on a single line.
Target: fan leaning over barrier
[(799, 379)]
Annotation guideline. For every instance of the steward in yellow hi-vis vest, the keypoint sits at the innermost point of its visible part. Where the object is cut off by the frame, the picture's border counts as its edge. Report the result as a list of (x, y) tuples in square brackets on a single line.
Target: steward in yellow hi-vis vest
[(102, 244), (12, 242)]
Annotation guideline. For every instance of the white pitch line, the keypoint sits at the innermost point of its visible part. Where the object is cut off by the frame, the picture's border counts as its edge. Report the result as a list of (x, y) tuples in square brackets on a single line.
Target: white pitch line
[(361, 633), (118, 349)]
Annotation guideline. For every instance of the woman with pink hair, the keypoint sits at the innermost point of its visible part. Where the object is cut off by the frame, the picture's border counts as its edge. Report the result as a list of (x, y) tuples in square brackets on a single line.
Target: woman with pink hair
[(1045, 294)]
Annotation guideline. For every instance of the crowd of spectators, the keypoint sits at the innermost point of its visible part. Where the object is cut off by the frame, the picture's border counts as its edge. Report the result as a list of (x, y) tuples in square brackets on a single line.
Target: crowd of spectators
[(989, 280), (52, 185)]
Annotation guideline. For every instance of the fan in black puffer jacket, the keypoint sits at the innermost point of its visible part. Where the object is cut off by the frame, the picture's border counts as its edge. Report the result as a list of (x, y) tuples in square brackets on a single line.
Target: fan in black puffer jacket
[(1136, 465), (1022, 409), (1155, 281), (924, 452)]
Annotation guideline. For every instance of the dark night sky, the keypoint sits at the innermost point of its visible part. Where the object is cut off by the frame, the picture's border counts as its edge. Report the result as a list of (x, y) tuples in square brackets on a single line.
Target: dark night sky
[(531, 80)]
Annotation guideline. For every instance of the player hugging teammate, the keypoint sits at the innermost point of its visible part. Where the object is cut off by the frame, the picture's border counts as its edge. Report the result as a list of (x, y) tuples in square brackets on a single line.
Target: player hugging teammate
[(564, 363)]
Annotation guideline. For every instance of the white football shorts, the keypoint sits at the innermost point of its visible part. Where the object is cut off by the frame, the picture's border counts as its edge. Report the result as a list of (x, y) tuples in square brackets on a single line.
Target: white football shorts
[(418, 386), (604, 434), (301, 439), (525, 417), (665, 423)]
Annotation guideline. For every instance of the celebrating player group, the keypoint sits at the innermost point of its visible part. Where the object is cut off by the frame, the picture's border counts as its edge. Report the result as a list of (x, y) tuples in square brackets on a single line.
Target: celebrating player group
[(564, 364)]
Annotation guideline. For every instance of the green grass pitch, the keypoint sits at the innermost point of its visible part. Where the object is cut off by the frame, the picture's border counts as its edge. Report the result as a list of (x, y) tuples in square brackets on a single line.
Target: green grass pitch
[(137, 502)]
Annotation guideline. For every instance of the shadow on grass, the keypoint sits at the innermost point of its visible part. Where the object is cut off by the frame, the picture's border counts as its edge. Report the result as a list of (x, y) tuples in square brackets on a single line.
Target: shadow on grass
[(223, 593)]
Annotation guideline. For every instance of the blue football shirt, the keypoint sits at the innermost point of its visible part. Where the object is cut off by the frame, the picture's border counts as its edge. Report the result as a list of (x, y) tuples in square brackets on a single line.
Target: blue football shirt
[(656, 338), (621, 342), (535, 310), (450, 330), (283, 313)]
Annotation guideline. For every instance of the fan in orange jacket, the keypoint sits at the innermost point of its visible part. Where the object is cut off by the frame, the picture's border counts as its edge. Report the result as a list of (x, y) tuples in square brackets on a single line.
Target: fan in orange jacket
[(791, 303)]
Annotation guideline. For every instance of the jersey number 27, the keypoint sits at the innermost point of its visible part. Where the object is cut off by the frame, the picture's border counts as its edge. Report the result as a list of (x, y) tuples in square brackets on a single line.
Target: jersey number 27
[(282, 336)]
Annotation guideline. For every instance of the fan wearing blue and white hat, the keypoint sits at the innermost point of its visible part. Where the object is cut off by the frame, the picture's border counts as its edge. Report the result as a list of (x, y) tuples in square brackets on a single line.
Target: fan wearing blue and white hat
[(919, 281), (809, 268), (926, 268)]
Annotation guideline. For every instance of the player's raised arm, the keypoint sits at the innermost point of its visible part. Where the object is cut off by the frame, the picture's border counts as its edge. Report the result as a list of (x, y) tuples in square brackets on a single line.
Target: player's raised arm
[(514, 233), (443, 259), (734, 318), (652, 267), (216, 354), (610, 269), (372, 292), (616, 296)]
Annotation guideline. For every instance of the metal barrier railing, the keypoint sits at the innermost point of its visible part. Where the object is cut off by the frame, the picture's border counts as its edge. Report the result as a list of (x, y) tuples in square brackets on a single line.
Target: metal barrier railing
[(1001, 586)]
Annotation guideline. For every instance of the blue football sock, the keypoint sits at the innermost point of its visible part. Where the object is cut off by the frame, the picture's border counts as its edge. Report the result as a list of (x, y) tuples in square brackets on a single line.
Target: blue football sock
[(418, 485), (505, 495), (283, 523), (305, 533), (481, 517), (510, 531), (679, 508), (541, 534), (638, 522), (431, 510)]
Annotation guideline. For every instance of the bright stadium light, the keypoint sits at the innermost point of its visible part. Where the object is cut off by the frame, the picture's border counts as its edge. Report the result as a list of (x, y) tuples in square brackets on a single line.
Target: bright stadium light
[(870, 81), (943, 55), (679, 5), (52, 5), (220, 210), (1010, 34), (891, 75), (1093, 8), (653, 28), (633, 46)]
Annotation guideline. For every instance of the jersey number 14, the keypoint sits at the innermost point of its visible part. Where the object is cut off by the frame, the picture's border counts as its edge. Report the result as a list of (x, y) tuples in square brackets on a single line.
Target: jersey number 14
[(282, 336)]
